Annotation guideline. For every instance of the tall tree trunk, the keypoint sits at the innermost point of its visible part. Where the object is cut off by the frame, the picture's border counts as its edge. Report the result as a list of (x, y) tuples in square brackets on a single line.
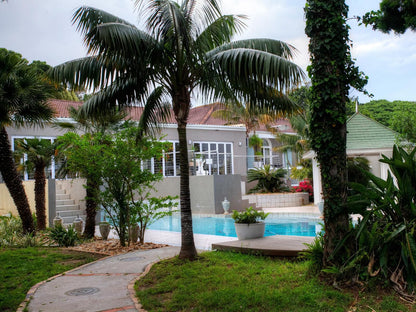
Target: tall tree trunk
[(91, 206), (14, 183), (40, 182), (329, 50), (181, 108)]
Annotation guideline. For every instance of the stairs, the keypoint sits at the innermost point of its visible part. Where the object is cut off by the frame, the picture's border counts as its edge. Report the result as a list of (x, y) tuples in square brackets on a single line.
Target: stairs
[(66, 207)]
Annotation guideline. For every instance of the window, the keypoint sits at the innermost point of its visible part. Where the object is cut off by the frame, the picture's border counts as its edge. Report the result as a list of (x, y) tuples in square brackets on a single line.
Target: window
[(213, 158)]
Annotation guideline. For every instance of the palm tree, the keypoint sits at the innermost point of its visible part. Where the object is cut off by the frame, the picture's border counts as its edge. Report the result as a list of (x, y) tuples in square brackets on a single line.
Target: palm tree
[(23, 95), (86, 124), (39, 153), (186, 48)]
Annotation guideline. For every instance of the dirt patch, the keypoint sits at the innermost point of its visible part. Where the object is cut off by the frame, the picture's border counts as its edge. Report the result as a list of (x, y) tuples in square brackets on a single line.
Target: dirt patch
[(112, 247)]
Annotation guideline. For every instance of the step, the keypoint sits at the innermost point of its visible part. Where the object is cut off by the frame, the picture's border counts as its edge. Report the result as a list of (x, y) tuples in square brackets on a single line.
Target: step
[(68, 208), (70, 220), (63, 196), (63, 202), (70, 213), (60, 192)]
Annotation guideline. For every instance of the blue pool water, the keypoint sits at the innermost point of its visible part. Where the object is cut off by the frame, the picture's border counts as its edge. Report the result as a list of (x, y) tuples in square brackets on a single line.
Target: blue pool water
[(224, 226)]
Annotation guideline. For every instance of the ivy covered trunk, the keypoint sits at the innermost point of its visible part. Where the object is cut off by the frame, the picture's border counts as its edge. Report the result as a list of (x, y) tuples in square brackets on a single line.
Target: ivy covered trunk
[(40, 183), (330, 61), (14, 183), (181, 109)]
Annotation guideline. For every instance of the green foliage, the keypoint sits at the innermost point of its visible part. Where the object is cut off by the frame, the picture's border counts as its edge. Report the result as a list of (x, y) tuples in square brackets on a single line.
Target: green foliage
[(396, 15), (256, 143), (315, 253), (304, 172), (270, 180), (385, 235), (64, 237), (356, 166), (11, 234), (148, 210), (299, 142), (125, 198), (248, 216)]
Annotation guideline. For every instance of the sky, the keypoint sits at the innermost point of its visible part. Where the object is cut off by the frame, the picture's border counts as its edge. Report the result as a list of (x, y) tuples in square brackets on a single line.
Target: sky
[(42, 30)]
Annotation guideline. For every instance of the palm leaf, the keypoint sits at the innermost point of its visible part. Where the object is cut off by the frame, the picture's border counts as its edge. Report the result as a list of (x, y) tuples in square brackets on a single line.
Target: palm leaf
[(155, 112)]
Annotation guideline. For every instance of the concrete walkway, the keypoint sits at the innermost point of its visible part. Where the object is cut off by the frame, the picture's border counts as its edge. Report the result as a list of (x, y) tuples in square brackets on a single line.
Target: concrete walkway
[(105, 285)]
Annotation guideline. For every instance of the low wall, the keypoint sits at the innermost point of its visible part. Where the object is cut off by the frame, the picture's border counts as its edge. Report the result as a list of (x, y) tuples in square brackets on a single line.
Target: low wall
[(207, 192), (278, 200), (6, 201)]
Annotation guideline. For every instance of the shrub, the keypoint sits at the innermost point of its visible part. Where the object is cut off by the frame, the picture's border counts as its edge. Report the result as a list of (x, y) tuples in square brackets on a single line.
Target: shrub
[(385, 237), (11, 233), (64, 237), (248, 216), (305, 186), (269, 180)]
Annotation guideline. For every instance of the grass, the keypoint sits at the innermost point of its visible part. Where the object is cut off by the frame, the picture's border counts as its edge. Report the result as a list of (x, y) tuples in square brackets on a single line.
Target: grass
[(221, 281), (21, 268)]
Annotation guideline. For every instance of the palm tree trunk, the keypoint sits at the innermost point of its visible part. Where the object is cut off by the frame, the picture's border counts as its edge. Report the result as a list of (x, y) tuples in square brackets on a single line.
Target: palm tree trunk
[(14, 183), (188, 250), (91, 206), (40, 182)]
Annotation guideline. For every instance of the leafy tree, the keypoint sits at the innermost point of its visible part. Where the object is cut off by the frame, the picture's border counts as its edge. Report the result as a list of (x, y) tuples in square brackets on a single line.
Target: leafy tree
[(39, 153), (404, 122), (332, 73), (186, 47), (23, 95), (93, 126), (396, 15)]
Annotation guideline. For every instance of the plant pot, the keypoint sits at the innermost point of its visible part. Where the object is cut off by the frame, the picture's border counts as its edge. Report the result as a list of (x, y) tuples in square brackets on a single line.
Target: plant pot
[(249, 231), (104, 230), (134, 233)]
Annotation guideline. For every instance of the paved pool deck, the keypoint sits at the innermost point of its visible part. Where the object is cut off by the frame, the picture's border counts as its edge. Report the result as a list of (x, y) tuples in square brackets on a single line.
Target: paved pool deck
[(276, 245)]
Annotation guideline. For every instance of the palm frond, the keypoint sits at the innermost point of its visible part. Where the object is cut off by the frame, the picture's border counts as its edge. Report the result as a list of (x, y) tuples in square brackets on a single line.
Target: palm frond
[(122, 93), (271, 46), (88, 18), (240, 65), (88, 72), (219, 32), (156, 111)]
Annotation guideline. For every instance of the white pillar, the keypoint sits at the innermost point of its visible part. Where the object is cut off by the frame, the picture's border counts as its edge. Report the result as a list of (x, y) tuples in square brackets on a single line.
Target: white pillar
[(317, 183)]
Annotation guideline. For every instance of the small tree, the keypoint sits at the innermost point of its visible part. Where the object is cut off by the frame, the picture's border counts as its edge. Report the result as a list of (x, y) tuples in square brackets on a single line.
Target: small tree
[(39, 153), (127, 184), (91, 125)]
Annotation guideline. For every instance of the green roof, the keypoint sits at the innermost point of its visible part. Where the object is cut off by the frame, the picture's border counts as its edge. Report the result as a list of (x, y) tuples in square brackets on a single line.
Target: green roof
[(366, 133)]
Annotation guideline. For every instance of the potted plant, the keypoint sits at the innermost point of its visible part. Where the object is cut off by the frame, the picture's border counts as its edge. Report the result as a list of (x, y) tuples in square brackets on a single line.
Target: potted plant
[(247, 223)]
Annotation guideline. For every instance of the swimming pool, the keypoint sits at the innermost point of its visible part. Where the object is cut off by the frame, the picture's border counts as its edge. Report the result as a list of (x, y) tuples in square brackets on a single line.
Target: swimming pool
[(224, 225)]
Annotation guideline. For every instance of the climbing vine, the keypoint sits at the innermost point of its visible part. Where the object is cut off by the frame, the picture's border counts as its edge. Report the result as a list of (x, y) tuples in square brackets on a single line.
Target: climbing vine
[(332, 72)]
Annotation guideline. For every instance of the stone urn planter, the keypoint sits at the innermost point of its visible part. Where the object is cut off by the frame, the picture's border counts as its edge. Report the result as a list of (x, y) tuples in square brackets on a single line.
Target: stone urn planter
[(247, 223), (134, 233), (104, 229)]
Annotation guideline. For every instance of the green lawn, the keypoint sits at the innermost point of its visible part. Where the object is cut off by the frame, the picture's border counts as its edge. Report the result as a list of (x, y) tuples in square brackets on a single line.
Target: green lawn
[(21, 268), (233, 282)]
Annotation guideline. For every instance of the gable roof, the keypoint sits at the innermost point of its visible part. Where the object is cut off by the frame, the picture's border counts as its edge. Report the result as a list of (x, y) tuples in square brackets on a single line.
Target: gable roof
[(366, 133), (199, 115)]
